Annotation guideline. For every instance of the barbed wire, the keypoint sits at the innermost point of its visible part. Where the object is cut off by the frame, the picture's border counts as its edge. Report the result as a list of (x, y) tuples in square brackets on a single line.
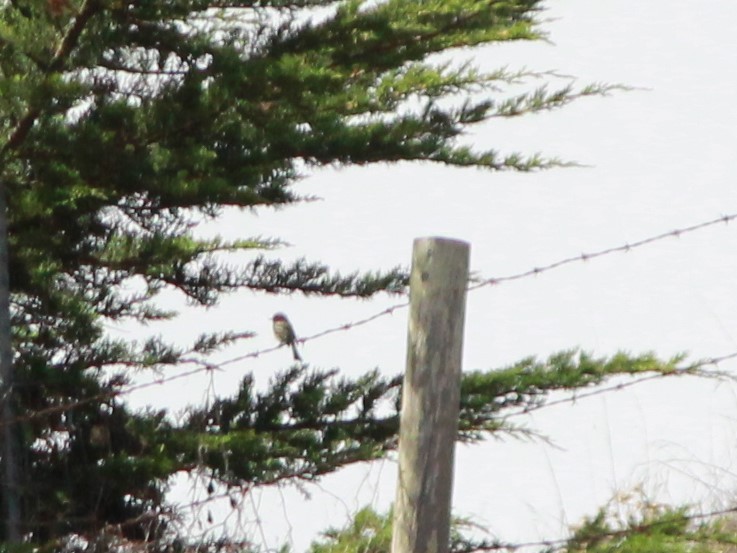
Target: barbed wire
[(241, 491), (497, 545), (550, 544), (478, 282), (558, 543), (587, 256), (245, 489), (689, 370), (102, 396), (205, 366), (332, 330), (208, 367)]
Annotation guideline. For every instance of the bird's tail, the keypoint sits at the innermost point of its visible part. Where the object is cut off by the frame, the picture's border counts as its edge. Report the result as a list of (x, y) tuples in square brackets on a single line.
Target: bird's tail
[(295, 352)]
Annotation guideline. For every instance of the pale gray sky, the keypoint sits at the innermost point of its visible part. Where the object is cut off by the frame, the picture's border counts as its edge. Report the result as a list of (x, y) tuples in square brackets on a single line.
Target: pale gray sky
[(660, 158)]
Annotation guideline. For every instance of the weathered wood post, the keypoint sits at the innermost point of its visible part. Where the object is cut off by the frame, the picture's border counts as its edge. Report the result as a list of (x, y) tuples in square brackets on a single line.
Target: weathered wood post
[(431, 396)]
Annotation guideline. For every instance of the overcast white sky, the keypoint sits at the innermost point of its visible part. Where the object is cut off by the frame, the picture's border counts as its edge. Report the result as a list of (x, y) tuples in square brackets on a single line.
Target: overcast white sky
[(660, 158)]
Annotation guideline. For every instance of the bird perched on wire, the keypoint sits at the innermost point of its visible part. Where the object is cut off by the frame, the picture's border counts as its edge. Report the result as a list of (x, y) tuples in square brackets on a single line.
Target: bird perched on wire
[(284, 332)]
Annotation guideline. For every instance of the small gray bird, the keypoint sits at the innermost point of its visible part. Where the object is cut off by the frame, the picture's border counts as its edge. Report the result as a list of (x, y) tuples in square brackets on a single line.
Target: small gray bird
[(284, 332)]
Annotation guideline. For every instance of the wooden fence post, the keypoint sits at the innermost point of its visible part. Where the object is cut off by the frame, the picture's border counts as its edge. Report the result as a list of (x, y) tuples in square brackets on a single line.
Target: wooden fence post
[(431, 396)]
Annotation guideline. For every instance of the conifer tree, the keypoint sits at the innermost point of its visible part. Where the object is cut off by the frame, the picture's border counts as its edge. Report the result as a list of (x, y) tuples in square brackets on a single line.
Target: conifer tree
[(123, 125), (647, 528)]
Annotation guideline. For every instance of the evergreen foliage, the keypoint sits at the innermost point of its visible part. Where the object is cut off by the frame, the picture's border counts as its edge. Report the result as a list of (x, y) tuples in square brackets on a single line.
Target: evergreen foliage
[(123, 125), (647, 528)]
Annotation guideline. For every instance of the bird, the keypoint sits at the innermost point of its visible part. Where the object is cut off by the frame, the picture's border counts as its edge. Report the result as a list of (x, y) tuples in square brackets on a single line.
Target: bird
[(284, 332)]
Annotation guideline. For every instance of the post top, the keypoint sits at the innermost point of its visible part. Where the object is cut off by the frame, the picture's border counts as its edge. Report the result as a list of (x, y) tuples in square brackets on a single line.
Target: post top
[(442, 240)]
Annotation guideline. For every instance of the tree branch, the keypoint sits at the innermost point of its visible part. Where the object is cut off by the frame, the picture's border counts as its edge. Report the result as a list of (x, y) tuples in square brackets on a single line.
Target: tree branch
[(67, 44)]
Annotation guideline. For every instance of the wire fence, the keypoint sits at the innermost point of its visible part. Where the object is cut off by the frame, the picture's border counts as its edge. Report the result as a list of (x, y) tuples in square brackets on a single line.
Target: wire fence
[(620, 529), (622, 248), (236, 496), (203, 366), (482, 282)]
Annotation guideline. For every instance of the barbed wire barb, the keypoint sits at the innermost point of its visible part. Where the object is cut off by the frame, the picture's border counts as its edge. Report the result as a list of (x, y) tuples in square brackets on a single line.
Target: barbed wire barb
[(693, 369), (587, 256), (205, 366)]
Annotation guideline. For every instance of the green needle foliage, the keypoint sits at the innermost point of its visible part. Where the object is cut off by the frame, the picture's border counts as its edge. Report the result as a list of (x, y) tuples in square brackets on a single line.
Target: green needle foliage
[(650, 528), (309, 423), (124, 125)]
